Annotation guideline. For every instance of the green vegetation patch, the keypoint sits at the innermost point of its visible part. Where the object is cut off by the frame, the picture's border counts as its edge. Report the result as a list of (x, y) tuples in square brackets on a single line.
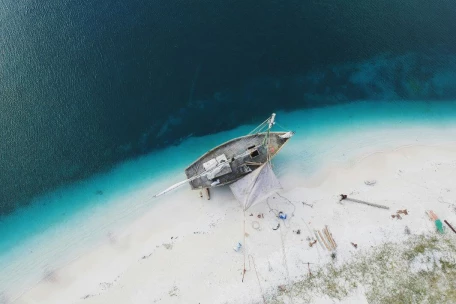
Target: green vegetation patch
[(421, 270)]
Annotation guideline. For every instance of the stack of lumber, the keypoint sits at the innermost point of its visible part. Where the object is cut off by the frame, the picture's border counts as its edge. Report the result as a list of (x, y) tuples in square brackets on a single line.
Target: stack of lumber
[(325, 237)]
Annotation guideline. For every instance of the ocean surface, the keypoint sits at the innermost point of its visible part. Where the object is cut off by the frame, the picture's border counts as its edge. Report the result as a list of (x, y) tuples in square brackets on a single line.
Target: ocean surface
[(87, 84), (102, 104)]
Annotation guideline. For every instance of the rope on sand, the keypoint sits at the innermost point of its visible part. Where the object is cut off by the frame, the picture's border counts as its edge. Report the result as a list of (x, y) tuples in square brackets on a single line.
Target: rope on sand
[(285, 262), (244, 270), (258, 278), (289, 202), (277, 212)]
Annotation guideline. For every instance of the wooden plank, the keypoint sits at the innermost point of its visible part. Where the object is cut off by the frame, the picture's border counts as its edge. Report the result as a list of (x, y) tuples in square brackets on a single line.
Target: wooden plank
[(324, 241), (319, 240), (328, 236)]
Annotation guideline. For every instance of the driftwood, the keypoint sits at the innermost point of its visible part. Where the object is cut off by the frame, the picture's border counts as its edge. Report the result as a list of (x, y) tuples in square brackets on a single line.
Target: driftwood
[(450, 226), (344, 197)]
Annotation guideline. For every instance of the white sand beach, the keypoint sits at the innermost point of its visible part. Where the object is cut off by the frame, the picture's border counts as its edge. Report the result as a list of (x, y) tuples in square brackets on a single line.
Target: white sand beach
[(181, 250)]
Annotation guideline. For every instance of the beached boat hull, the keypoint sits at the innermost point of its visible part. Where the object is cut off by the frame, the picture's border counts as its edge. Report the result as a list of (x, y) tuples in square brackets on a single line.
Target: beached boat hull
[(243, 155)]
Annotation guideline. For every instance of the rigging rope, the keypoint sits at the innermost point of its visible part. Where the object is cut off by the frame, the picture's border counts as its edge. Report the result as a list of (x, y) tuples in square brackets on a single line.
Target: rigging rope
[(245, 250), (288, 201), (259, 127), (286, 129), (258, 278), (285, 262), (277, 212)]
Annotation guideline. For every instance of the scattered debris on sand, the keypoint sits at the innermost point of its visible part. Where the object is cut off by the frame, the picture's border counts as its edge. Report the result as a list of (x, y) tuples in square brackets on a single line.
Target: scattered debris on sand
[(282, 288), (174, 291), (307, 204), (168, 246), (370, 182), (404, 212), (407, 230)]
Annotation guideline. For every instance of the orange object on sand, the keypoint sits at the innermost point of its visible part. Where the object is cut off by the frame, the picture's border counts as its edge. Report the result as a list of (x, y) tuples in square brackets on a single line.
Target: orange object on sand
[(432, 215)]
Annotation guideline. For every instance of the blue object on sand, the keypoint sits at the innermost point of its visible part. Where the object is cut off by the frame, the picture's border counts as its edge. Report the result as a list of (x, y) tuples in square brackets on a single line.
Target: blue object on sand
[(282, 216)]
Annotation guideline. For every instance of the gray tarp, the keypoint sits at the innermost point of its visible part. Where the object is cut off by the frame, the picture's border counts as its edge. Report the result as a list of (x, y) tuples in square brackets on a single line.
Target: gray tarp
[(256, 186)]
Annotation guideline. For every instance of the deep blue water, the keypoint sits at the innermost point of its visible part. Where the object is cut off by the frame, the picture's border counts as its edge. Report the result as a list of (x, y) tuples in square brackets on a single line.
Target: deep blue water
[(87, 84)]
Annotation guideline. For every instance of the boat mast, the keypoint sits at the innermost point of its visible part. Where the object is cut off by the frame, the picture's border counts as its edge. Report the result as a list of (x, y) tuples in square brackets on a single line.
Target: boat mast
[(271, 122)]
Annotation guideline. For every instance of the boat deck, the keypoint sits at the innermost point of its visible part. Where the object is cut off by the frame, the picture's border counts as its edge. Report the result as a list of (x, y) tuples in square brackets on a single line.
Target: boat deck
[(244, 154)]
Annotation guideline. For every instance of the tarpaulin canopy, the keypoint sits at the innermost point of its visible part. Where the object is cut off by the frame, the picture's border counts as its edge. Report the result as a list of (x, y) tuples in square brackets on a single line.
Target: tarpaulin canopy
[(256, 186)]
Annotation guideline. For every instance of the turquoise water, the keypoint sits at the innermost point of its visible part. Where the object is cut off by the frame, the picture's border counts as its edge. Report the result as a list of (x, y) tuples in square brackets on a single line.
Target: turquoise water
[(60, 225), (310, 125), (339, 134)]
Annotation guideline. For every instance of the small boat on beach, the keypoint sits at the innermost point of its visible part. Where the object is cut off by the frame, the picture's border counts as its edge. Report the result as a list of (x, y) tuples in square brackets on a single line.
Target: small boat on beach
[(234, 160)]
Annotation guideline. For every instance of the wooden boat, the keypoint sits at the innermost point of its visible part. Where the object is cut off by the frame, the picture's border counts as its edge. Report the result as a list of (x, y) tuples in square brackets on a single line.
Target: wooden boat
[(234, 159), (241, 155)]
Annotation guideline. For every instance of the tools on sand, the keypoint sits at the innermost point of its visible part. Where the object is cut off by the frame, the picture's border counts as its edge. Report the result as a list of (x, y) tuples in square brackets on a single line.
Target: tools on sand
[(345, 197)]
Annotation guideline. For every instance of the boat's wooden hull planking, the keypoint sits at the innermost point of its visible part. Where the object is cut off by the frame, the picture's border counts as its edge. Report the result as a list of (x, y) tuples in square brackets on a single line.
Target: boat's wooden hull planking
[(239, 165)]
